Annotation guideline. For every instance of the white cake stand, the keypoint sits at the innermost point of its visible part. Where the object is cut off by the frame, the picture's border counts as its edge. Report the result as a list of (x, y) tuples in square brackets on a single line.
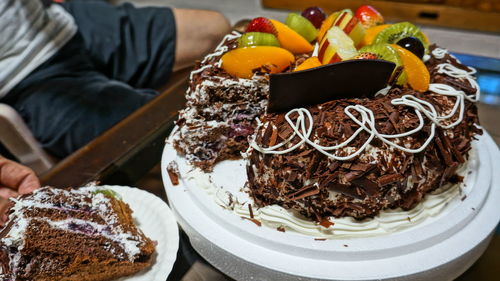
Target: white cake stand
[(440, 250)]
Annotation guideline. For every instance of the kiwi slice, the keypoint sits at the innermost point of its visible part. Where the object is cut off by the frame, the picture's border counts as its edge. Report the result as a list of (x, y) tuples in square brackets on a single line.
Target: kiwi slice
[(108, 193), (257, 39), (398, 31), (302, 26), (384, 51)]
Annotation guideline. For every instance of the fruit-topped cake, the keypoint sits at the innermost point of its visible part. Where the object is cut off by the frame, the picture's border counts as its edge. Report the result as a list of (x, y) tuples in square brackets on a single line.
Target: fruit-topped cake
[(354, 117), (72, 234)]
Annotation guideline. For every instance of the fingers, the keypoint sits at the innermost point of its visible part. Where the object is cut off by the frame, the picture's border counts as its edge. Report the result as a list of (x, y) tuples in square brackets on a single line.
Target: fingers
[(6, 193), (17, 177), (29, 184), (4, 204), (3, 219)]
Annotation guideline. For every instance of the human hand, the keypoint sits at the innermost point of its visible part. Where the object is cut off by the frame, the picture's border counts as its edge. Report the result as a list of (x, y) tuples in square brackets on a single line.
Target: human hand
[(15, 180)]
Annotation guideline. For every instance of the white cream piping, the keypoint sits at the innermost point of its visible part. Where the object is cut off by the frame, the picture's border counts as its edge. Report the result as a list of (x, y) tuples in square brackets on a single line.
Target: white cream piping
[(367, 122), (219, 50)]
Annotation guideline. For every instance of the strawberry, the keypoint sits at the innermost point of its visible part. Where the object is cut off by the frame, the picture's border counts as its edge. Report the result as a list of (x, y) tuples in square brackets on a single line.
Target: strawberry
[(368, 16), (365, 56), (261, 24)]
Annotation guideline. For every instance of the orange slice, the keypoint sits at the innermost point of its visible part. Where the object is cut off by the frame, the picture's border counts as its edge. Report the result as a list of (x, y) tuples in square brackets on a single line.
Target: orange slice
[(241, 62), (291, 40), (371, 33), (418, 75), (311, 62)]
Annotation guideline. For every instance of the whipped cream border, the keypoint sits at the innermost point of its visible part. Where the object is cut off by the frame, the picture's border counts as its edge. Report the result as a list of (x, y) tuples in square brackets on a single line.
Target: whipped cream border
[(388, 221)]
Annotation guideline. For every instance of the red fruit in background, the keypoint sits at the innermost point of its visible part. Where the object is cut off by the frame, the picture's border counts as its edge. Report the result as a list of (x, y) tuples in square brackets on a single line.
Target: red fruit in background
[(261, 24), (315, 15), (368, 16)]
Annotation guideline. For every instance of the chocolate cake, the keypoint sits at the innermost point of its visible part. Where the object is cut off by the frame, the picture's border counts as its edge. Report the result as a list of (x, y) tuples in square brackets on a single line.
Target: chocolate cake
[(220, 110), (356, 157), (345, 147), (72, 234)]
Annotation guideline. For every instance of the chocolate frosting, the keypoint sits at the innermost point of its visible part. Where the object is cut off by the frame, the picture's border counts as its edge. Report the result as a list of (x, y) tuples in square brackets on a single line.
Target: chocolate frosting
[(383, 177)]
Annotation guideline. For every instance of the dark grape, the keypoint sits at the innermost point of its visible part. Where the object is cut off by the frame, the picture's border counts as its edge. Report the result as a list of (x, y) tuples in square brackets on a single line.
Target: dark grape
[(315, 15), (413, 45)]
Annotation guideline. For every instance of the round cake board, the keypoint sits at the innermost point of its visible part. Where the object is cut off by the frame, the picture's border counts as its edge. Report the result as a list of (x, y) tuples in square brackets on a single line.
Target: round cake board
[(440, 250)]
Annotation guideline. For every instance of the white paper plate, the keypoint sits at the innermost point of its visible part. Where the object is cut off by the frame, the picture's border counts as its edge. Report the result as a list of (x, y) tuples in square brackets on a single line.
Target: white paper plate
[(440, 250), (154, 218)]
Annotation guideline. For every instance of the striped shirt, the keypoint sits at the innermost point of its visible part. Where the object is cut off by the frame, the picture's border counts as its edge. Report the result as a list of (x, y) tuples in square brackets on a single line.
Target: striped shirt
[(29, 35)]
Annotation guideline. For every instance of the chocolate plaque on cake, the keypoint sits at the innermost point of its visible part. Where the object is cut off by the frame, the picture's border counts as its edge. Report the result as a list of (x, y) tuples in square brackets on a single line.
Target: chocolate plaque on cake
[(343, 80)]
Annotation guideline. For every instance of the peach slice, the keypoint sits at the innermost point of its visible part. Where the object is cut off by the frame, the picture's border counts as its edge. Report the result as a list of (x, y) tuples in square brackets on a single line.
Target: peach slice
[(311, 62), (291, 40), (241, 62), (418, 74), (371, 33)]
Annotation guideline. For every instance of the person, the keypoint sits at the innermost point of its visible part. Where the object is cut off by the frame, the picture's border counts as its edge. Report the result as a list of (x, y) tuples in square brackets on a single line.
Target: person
[(15, 180), (73, 70)]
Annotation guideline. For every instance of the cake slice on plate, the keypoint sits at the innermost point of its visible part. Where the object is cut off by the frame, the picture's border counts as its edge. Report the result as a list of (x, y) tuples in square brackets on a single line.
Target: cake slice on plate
[(72, 234)]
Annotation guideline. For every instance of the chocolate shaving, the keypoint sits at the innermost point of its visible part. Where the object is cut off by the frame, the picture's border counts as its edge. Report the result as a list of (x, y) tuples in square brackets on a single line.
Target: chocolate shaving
[(267, 135), (370, 187), (347, 190), (258, 223), (250, 210), (354, 175), (389, 178), (446, 155), (292, 176), (333, 166), (304, 192), (274, 137)]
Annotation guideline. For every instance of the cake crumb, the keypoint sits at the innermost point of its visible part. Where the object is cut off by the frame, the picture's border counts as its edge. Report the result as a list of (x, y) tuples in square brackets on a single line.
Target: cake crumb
[(326, 223), (281, 228), (173, 173), (345, 245), (320, 239)]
